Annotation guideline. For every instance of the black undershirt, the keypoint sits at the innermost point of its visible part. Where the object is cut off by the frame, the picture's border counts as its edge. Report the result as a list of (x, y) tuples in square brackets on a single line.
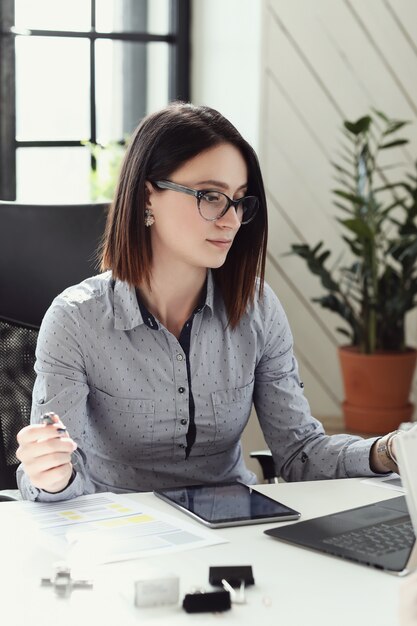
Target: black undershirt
[(184, 341)]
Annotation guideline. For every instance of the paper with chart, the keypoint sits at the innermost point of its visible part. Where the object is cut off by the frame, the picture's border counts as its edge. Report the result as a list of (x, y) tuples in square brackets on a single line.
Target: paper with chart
[(407, 459), (107, 527)]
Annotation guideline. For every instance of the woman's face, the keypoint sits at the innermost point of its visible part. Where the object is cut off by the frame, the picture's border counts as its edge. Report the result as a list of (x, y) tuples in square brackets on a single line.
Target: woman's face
[(180, 234)]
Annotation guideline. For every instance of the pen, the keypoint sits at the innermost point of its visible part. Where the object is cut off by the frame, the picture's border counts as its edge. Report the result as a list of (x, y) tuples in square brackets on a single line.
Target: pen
[(48, 419)]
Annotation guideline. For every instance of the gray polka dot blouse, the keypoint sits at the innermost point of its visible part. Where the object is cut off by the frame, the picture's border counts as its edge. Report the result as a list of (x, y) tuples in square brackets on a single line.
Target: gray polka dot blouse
[(122, 386)]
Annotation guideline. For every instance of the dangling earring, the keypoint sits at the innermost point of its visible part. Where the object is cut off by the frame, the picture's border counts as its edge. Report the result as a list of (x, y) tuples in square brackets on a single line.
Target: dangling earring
[(149, 217)]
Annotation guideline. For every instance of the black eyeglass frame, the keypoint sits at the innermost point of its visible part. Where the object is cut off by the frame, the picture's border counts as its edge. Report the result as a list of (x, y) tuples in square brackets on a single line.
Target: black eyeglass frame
[(199, 193)]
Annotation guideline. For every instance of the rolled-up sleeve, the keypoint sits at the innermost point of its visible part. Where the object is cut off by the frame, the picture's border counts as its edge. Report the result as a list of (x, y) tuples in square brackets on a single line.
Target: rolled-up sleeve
[(300, 447)]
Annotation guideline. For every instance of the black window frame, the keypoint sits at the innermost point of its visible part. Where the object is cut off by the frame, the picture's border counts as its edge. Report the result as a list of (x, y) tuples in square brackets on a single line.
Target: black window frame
[(178, 39)]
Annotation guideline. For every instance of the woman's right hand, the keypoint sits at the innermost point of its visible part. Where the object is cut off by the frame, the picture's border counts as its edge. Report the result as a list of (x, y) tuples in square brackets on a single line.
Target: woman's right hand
[(46, 455)]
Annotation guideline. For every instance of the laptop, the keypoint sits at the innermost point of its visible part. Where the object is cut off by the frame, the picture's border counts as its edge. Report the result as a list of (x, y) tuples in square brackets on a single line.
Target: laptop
[(380, 535)]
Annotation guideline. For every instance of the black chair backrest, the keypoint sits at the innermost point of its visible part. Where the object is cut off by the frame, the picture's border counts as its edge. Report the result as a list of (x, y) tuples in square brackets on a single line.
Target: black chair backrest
[(43, 250), (17, 377)]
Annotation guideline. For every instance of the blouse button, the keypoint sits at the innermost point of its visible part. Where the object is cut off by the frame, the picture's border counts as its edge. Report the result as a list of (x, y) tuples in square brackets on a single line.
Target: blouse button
[(183, 421), (181, 389), (180, 357)]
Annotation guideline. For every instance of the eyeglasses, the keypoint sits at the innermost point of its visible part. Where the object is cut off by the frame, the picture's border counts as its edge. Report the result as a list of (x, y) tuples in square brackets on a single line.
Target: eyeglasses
[(212, 204)]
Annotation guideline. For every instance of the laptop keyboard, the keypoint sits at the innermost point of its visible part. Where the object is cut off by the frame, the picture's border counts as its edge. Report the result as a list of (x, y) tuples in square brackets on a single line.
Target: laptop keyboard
[(378, 539)]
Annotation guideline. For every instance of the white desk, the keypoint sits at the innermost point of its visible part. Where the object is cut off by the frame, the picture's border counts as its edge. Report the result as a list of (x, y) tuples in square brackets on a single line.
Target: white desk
[(294, 586)]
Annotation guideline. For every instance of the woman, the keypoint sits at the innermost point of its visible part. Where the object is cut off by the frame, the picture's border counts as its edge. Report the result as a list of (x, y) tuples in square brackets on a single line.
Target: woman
[(153, 366)]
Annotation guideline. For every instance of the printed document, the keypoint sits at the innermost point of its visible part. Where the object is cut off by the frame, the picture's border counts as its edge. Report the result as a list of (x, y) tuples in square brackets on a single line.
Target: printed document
[(107, 527)]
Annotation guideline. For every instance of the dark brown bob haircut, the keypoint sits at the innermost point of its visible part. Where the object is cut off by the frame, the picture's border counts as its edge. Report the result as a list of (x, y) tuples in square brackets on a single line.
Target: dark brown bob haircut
[(163, 142)]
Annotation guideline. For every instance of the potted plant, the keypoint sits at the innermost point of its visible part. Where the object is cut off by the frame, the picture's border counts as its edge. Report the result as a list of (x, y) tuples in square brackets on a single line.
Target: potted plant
[(375, 284)]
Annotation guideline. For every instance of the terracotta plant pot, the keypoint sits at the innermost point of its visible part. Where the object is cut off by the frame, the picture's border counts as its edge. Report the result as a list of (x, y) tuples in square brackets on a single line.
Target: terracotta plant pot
[(377, 389)]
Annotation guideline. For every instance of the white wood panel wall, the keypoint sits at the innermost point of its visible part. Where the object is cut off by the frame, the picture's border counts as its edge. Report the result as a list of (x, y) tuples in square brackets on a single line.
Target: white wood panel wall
[(324, 61)]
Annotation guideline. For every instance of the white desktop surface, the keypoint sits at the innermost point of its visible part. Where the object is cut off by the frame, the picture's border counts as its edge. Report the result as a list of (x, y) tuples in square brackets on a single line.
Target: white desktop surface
[(293, 586)]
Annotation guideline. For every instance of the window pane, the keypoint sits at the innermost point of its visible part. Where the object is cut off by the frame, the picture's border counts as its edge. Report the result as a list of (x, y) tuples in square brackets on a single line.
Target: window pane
[(53, 175), (52, 88), (53, 14), (132, 80), (133, 15)]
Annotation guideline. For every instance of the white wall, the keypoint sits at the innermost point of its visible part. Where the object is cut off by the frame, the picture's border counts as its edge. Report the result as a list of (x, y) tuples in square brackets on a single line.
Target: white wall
[(226, 60)]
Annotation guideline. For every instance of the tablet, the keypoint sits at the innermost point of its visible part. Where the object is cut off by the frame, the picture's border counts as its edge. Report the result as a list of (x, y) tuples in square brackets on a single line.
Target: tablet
[(226, 504)]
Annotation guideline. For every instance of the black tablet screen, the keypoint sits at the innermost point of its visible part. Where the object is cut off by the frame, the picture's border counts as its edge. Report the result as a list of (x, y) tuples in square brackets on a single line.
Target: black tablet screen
[(226, 502)]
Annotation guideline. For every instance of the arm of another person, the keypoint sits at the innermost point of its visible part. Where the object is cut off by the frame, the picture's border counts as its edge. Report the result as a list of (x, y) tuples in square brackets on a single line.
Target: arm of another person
[(55, 471), (301, 449)]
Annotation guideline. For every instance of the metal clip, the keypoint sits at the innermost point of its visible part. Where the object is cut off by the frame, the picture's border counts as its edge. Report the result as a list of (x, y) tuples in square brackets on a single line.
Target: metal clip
[(236, 598), (62, 582)]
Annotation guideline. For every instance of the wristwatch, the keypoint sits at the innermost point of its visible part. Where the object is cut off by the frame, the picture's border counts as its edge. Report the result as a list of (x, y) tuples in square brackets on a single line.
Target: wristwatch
[(385, 453)]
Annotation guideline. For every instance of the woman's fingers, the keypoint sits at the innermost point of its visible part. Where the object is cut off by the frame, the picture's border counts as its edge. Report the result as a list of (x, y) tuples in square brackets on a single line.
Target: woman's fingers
[(39, 432), (53, 480), (38, 440), (45, 451)]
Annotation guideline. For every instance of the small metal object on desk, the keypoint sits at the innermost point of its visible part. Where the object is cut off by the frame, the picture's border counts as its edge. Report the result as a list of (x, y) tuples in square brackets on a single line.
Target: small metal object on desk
[(236, 598), (62, 582)]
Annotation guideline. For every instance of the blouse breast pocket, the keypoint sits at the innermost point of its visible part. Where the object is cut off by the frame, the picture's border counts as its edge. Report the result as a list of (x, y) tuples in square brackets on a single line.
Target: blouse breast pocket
[(120, 428), (231, 408)]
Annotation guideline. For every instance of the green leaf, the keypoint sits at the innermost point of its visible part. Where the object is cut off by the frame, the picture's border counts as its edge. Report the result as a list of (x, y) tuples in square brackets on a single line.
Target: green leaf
[(411, 190), (332, 303), (349, 196), (345, 332), (397, 202), (343, 183), (342, 206), (323, 256), (316, 248), (360, 126), (343, 170), (353, 245), (382, 116), (392, 144), (300, 249), (389, 186), (394, 126), (392, 166), (359, 227)]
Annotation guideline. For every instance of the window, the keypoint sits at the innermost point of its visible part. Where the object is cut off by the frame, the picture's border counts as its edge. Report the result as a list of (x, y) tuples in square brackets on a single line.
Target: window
[(77, 72)]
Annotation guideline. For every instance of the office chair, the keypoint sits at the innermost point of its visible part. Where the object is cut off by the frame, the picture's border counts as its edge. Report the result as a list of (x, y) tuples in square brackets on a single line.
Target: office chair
[(43, 250), (266, 461)]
